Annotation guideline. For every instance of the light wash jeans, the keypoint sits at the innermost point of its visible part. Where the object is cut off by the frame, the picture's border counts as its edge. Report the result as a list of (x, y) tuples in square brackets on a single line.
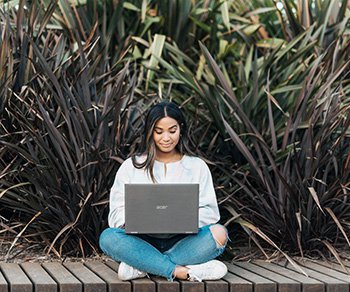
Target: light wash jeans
[(160, 256)]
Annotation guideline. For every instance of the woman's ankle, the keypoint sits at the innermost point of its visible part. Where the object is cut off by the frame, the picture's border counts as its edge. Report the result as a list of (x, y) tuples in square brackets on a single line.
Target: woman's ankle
[(181, 272)]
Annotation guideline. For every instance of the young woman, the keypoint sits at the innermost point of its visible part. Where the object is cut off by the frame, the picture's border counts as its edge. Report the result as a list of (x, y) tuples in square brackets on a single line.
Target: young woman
[(165, 157)]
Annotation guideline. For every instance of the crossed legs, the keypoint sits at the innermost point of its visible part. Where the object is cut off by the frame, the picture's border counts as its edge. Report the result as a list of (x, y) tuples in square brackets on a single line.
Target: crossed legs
[(193, 249)]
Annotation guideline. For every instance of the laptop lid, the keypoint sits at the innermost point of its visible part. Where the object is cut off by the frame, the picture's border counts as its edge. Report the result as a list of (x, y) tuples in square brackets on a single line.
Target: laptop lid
[(161, 208)]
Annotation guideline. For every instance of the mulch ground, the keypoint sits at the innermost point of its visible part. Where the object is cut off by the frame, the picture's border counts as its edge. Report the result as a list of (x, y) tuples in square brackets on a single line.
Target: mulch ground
[(26, 252), (33, 252)]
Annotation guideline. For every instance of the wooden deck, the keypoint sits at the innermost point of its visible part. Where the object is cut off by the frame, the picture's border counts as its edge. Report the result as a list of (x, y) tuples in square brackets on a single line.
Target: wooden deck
[(258, 276)]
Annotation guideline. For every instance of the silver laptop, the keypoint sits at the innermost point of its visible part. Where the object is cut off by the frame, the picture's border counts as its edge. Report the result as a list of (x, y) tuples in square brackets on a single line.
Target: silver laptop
[(161, 208)]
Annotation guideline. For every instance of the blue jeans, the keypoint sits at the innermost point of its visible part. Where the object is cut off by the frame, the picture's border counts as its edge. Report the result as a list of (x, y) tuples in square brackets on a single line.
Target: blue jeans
[(160, 256)]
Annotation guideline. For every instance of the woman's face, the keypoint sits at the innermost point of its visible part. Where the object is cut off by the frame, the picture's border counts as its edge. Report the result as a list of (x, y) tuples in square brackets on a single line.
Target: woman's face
[(166, 135)]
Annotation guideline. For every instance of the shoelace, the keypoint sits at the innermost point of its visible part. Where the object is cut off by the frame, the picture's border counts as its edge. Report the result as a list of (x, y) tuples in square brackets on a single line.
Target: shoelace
[(140, 273), (192, 277)]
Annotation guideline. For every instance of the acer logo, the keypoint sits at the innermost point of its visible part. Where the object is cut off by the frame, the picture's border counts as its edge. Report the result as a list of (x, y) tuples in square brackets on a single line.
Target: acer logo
[(161, 207)]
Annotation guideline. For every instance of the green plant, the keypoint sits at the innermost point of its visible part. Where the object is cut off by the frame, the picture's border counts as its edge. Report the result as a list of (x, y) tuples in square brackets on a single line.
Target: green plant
[(63, 133), (264, 85), (281, 120)]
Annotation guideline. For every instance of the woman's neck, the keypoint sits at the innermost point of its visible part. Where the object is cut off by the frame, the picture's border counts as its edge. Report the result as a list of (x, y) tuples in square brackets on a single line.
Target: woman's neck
[(168, 157)]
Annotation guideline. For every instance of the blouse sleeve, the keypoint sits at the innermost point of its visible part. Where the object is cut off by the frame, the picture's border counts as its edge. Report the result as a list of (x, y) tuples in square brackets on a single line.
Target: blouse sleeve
[(208, 206), (116, 217)]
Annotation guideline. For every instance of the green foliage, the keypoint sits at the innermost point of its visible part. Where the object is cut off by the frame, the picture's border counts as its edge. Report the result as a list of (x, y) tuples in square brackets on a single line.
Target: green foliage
[(297, 169), (64, 116), (264, 85)]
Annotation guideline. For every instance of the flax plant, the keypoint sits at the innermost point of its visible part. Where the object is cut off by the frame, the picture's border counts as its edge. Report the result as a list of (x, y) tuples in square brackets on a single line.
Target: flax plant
[(279, 111), (63, 131), (264, 85)]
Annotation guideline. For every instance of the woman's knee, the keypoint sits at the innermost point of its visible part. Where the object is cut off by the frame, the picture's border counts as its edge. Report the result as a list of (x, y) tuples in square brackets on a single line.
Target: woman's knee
[(109, 238), (219, 233)]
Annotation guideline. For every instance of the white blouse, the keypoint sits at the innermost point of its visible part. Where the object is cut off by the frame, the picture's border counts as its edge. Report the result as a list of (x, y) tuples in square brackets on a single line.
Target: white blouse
[(187, 170)]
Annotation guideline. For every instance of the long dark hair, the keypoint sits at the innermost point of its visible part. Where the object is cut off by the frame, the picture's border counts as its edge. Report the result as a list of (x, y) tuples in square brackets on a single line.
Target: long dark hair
[(148, 146)]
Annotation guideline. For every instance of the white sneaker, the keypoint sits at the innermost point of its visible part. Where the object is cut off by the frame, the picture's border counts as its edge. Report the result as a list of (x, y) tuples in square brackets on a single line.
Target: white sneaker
[(126, 272), (212, 270)]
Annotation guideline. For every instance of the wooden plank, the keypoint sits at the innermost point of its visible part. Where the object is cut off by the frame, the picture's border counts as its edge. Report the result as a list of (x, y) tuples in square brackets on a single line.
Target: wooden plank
[(65, 280), (237, 284), (334, 266), (260, 283), (284, 284), (189, 286), (308, 284), (113, 265), (325, 270), (109, 276), (17, 279), (216, 286), (41, 280), (91, 282), (138, 285), (332, 284), (143, 285), (3, 283), (163, 285)]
